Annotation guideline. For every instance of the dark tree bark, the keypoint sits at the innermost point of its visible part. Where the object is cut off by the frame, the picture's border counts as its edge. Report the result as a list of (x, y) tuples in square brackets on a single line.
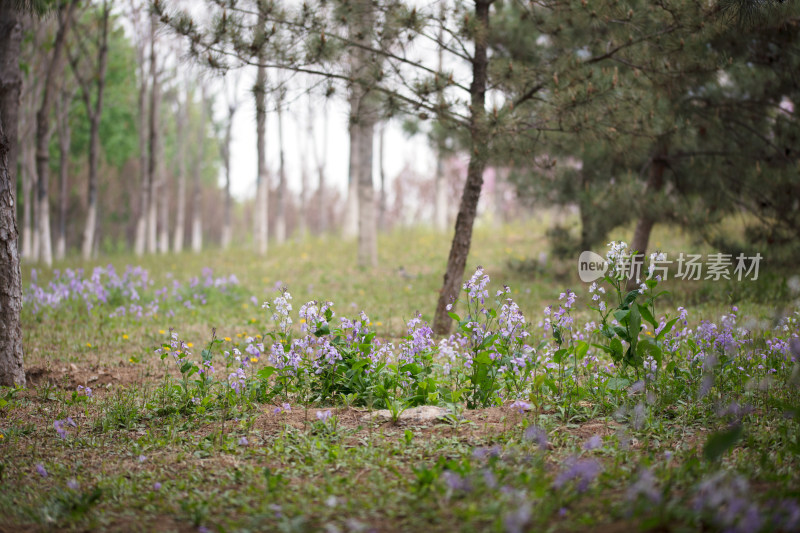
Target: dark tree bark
[(479, 137), (12, 371), (644, 226), (10, 82), (43, 131)]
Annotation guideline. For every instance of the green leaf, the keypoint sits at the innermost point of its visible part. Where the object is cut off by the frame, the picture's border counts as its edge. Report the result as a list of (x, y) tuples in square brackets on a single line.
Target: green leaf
[(648, 347), (361, 364), (720, 442), (266, 372), (323, 330), (483, 358), (616, 350), (630, 297), (454, 316), (580, 349), (667, 329), (648, 316), (634, 326), (558, 357), (615, 384)]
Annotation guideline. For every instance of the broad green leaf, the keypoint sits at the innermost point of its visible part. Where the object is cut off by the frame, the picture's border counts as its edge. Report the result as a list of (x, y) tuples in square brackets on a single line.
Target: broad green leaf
[(720, 442)]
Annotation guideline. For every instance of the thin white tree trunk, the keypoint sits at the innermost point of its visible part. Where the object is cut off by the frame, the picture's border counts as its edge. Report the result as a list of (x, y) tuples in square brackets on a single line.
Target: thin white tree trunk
[(227, 225), (280, 215), (197, 207), (180, 208), (320, 157)]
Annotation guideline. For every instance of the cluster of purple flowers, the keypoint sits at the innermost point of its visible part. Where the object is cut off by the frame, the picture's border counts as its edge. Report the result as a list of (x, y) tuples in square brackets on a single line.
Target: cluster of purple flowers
[(61, 426), (104, 286)]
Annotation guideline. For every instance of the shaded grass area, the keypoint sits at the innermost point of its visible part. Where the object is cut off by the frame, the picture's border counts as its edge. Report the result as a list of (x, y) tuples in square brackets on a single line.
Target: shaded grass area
[(135, 461)]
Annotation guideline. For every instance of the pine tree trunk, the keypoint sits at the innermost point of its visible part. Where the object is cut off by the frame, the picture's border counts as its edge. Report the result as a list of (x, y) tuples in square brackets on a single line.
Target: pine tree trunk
[(262, 187), (64, 138), (280, 204), (367, 227), (10, 83), (43, 132), (197, 205), (180, 200), (644, 226), (153, 161), (350, 223), (363, 118), (12, 371), (382, 170), (479, 137)]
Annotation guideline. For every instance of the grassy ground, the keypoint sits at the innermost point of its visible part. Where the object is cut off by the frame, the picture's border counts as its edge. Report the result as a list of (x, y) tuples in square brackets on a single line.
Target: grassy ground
[(132, 457)]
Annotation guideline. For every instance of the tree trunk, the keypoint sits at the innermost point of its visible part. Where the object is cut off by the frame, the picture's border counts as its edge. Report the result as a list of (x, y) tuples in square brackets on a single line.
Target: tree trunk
[(644, 226), (64, 138), (262, 187), (320, 158), (227, 228), (367, 227), (28, 180), (350, 223), (304, 144), (197, 207), (280, 215), (153, 161), (479, 137), (94, 135), (180, 200), (363, 116), (144, 177), (12, 370), (439, 185), (43, 132), (10, 83), (382, 170)]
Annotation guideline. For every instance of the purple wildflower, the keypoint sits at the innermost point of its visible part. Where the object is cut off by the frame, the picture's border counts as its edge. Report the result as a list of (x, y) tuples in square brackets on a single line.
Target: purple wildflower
[(73, 484), (583, 471), (323, 416), (520, 406), (41, 470), (594, 442), (243, 441), (536, 435)]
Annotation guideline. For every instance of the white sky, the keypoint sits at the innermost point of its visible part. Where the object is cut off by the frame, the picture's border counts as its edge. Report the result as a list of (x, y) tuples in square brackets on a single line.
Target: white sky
[(398, 151)]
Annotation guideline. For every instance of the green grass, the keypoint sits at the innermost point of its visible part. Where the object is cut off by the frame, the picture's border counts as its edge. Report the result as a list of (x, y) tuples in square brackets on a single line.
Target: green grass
[(140, 458)]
